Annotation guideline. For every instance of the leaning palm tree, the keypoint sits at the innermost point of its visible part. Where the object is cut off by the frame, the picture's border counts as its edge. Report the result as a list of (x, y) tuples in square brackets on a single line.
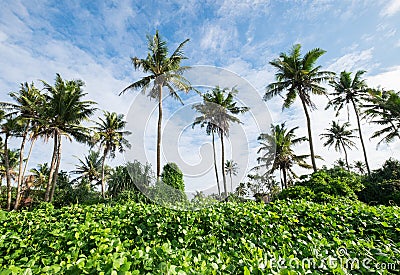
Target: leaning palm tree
[(340, 137), (110, 135), (278, 154), (300, 78), (231, 168), (220, 108), (350, 91), (62, 115), (163, 71), (89, 168)]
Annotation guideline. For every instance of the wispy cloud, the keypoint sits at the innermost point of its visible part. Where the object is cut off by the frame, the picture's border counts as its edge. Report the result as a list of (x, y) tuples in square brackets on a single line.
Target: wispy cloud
[(391, 8), (353, 61)]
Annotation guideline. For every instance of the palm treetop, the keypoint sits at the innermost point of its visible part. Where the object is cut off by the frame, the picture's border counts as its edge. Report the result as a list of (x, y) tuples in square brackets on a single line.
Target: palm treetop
[(109, 132), (65, 109), (164, 70), (218, 110), (298, 76), (347, 90), (339, 136)]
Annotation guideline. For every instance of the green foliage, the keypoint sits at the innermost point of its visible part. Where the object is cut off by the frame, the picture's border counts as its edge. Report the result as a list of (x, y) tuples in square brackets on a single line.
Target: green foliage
[(383, 186), (326, 185), (132, 176), (173, 176), (226, 238)]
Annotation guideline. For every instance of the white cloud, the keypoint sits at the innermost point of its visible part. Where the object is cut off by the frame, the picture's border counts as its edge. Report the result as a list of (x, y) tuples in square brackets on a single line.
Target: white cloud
[(358, 60), (391, 8), (388, 79)]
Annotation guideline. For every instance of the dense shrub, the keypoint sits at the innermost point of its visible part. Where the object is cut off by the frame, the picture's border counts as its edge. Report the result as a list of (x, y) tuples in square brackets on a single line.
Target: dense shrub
[(383, 186), (325, 185)]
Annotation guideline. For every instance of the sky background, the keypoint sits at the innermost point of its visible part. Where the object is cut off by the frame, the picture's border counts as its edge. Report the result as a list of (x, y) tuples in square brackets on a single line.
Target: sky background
[(94, 40)]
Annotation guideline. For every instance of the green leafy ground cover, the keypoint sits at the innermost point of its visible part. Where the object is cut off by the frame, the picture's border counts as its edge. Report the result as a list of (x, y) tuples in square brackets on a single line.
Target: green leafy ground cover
[(227, 238)]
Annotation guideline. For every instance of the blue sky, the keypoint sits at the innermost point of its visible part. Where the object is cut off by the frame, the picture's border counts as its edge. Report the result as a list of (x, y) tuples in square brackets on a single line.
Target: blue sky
[(94, 40)]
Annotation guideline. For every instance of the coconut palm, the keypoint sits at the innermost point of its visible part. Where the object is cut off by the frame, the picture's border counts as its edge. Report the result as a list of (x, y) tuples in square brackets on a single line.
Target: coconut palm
[(241, 190), (10, 127), (277, 152), (163, 71), (300, 77), (231, 168), (205, 120), (350, 91), (26, 103), (340, 137), (359, 166), (219, 108), (89, 168), (110, 135), (383, 108), (41, 174), (62, 115)]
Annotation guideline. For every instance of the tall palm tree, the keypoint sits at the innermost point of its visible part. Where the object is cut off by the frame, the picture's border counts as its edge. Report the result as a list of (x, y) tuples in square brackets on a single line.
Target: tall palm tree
[(350, 91), (26, 103), (163, 71), (231, 168), (10, 127), (300, 77), (277, 152), (219, 106), (340, 136), (383, 108), (62, 115), (90, 168), (206, 120), (110, 135)]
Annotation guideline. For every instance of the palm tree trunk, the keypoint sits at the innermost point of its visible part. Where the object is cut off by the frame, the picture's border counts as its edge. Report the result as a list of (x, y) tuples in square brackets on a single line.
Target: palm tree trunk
[(8, 176), (215, 164), (230, 175), (52, 166), (29, 156), (223, 164), (53, 186), (160, 114), (21, 164), (103, 185), (345, 157), (284, 177), (361, 137), (310, 140)]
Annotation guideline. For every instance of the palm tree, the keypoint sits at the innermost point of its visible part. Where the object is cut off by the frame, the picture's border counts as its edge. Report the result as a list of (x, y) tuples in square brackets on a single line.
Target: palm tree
[(110, 136), (383, 109), (11, 127), (220, 109), (241, 189), (27, 100), (90, 168), (163, 71), (300, 78), (278, 152), (348, 91), (340, 136), (206, 120), (62, 115), (41, 175), (231, 168), (359, 166)]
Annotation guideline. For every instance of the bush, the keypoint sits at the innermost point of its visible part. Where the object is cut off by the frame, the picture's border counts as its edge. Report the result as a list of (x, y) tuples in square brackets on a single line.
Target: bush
[(383, 186), (325, 186), (173, 176)]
